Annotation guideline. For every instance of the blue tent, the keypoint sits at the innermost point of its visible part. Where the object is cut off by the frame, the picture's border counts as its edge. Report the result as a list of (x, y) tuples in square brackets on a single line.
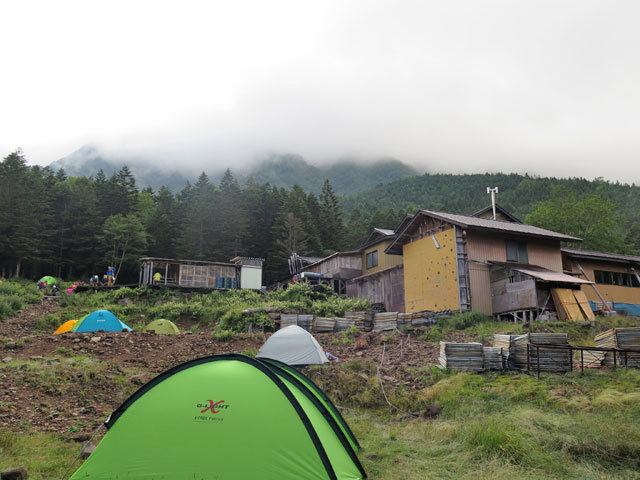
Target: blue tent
[(100, 320)]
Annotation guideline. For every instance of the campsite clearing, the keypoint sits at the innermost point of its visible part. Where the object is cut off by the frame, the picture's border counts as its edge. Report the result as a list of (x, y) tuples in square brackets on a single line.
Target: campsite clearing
[(57, 389)]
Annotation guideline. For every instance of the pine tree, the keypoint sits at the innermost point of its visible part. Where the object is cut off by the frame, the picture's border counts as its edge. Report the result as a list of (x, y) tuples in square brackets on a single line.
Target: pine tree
[(332, 232), (231, 218)]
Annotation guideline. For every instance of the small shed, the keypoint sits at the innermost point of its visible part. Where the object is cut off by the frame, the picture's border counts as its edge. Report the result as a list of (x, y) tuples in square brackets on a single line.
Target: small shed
[(188, 273)]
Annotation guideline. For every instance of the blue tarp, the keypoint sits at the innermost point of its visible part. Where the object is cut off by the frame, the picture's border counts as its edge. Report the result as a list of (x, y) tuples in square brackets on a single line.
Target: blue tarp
[(632, 309), (100, 320)]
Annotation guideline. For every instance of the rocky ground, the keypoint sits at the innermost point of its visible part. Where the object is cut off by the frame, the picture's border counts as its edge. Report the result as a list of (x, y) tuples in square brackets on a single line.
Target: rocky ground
[(69, 383)]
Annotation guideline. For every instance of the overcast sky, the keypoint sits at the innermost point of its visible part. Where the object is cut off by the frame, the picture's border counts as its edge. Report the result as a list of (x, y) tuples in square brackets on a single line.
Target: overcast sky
[(545, 87)]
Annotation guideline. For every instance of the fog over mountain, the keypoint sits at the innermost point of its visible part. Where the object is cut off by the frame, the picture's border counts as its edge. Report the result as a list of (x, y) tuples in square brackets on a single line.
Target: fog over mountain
[(538, 86), (347, 175)]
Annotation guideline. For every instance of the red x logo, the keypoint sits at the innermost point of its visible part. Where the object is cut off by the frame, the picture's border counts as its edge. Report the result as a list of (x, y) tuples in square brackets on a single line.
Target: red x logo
[(211, 406)]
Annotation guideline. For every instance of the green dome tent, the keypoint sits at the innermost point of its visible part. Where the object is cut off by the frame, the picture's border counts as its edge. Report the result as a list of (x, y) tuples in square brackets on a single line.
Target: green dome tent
[(48, 280), (163, 326), (226, 417)]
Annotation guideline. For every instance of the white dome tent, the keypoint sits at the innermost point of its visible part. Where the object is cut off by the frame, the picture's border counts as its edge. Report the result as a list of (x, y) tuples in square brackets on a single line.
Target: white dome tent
[(293, 345)]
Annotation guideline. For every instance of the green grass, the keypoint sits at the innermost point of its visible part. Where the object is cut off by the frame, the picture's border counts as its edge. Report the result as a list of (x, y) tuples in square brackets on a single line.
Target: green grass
[(15, 294), (225, 308), (508, 427), (45, 456)]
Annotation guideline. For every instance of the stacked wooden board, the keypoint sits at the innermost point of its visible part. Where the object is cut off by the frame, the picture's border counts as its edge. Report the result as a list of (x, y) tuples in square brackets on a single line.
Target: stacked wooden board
[(421, 319), (551, 359), (623, 339), (362, 320), (493, 359), (287, 319), (505, 342), (305, 321), (344, 324), (385, 321), (462, 356), (592, 358), (324, 324), (404, 320), (571, 304)]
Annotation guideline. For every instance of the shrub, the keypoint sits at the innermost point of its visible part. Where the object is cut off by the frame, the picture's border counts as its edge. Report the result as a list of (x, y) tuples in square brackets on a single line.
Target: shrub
[(222, 335)]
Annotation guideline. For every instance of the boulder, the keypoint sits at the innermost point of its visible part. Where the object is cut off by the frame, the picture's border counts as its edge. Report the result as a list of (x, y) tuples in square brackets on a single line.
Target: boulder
[(19, 473)]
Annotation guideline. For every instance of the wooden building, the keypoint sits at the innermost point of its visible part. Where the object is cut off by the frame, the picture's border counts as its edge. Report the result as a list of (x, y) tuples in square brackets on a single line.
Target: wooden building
[(202, 274), (382, 277), (448, 258), (334, 270), (615, 277)]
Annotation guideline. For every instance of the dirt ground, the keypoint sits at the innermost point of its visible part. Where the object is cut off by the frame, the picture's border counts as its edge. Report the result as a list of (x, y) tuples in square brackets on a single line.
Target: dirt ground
[(44, 384)]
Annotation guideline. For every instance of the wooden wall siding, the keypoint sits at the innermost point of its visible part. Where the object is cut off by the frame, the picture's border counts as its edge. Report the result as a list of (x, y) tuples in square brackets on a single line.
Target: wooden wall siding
[(499, 216), (384, 261), (204, 276), (480, 286), (430, 274), (611, 293), (339, 266), (426, 227), (484, 247), (382, 287)]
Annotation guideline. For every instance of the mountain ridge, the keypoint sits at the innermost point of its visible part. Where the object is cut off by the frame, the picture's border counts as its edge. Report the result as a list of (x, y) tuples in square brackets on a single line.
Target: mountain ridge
[(346, 175)]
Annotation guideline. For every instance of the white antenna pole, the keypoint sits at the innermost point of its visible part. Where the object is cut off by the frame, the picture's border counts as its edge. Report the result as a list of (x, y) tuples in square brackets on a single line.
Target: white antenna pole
[(493, 192)]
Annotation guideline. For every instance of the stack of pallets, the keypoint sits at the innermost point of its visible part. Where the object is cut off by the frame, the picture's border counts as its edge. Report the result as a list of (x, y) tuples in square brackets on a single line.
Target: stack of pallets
[(493, 359), (623, 339), (287, 319), (305, 321), (551, 359), (385, 321), (462, 356), (324, 324), (404, 320)]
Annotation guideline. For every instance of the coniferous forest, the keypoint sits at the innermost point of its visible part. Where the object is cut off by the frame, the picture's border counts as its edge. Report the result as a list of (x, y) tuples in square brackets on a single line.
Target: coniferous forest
[(73, 227)]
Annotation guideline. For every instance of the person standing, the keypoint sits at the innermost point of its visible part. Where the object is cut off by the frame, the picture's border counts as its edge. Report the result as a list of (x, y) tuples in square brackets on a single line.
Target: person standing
[(157, 278), (110, 274)]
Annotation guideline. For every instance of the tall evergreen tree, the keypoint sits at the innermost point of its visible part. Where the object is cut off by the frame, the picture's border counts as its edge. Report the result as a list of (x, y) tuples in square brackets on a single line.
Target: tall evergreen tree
[(332, 231)]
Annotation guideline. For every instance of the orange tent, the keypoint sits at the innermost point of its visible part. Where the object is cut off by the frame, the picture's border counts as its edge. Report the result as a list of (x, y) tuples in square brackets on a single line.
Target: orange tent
[(66, 326)]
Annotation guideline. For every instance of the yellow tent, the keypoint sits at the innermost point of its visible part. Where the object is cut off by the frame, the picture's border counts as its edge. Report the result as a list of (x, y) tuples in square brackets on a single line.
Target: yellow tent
[(66, 326)]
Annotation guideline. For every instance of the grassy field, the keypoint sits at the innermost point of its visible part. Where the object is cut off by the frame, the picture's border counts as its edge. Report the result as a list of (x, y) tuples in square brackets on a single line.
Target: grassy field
[(490, 426)]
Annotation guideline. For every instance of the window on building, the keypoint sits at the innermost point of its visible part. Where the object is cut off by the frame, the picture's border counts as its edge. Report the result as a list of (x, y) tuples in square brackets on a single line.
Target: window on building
[(517, 252), (372, 259), (616, 278)]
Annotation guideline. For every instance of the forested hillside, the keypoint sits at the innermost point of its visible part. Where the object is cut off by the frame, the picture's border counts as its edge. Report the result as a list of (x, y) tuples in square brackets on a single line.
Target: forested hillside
[(610, 211), (51, 223), (346, 175), (72, 227)]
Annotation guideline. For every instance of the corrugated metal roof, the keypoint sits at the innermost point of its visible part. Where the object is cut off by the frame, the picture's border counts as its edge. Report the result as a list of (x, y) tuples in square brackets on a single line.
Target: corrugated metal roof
[(486, 224), (385, 231), (549, 275), (593, 254)]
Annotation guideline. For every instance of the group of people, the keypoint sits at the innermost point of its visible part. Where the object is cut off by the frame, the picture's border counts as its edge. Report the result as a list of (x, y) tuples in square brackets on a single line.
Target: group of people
[(107, 280)]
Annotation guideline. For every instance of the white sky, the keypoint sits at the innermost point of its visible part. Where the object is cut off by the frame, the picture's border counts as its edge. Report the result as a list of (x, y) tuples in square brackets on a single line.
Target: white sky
[(545, 87)]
